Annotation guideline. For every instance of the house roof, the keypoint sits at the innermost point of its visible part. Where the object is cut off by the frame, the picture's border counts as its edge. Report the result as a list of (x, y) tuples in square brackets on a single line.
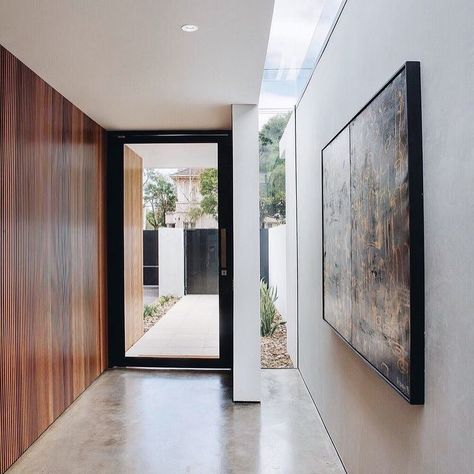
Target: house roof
[(186, 173)]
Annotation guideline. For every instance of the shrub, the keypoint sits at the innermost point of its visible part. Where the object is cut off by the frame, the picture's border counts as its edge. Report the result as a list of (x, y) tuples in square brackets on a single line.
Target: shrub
[(165, 299), (149, 310), (158, 308), (268, 312)]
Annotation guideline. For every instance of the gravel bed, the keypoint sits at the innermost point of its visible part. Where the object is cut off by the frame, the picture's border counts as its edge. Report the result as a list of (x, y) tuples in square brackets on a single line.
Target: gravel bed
[(274, 354), (159, 311)]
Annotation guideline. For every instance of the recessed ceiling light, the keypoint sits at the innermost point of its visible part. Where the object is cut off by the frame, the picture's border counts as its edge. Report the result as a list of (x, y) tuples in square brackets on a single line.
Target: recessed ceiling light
[(189, 28)]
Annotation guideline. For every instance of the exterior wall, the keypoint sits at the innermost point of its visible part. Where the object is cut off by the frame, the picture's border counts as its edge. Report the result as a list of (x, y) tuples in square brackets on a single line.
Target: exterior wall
[(277, 265), (187, 188), (374, 429), (246, 371), (189, 197), (171, 262), (278, 277), (52, 256), (287, 149), (180, 219), (206, 222)]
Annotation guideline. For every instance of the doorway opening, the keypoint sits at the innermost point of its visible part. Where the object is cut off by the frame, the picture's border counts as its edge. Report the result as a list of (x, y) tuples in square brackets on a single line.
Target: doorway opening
[(175, 308), (179, 312)]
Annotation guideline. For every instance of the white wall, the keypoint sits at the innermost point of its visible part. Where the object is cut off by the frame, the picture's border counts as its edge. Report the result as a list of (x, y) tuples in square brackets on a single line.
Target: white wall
[(287, 148), (171, 261), (246, 254), (373, 428), (280, 279), (277, 265)]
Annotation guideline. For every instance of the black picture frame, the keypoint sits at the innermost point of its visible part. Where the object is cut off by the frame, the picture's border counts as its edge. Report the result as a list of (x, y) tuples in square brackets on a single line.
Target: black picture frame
[(416, 234)]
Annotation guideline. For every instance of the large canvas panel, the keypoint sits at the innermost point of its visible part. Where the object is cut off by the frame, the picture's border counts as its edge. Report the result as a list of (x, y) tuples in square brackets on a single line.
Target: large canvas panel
[(380, 234), (336, 171)]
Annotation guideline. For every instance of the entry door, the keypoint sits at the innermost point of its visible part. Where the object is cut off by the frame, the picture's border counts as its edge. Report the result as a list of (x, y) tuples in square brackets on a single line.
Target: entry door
[(207, 269)]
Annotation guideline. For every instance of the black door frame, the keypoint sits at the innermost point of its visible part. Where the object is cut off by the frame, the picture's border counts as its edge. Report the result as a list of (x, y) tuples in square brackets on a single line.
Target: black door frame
[(115, 249)]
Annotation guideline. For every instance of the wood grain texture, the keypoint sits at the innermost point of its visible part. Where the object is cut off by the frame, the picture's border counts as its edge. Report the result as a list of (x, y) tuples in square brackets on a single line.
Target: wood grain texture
[(133, 246), (52, 255)]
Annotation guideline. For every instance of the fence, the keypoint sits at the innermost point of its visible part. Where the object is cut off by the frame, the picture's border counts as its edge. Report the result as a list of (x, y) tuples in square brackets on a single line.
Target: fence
[(274, 270), (181, 261)]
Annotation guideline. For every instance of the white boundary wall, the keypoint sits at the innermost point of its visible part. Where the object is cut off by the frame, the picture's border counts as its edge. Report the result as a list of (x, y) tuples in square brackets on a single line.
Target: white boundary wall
[(277, 265), (171, 261), (278, 277)]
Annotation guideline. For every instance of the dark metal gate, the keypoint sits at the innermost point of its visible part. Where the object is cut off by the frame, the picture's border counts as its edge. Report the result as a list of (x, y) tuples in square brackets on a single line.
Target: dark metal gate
[(201, 261), (150, 258)]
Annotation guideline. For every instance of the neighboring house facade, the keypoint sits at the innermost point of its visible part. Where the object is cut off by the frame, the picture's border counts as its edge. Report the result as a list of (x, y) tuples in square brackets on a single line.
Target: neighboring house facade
[(188, 202)]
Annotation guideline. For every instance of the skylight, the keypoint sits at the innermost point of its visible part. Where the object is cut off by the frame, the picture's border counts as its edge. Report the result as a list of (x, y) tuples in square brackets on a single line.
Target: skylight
[(298, 33)]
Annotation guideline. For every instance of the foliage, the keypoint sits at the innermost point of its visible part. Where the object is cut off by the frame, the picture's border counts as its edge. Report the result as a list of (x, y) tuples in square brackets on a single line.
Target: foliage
[(273, 199), (165, 299), (153, 309), (208, 190), (270, 136), (160, 196), (272, 166), (194, 214), (268, 312), (149, 310)]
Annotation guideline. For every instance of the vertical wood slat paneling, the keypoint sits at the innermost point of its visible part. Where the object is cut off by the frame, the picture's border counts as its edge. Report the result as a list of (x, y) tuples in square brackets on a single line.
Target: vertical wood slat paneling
[(52, 255), (133, 246)]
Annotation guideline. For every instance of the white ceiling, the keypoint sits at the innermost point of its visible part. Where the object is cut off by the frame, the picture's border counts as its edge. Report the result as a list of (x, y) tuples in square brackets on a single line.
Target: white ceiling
[(177, 155), (128, 65)]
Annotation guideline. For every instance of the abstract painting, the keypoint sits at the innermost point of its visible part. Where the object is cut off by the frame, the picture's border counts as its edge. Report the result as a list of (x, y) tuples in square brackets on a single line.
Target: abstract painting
[(373, 234)]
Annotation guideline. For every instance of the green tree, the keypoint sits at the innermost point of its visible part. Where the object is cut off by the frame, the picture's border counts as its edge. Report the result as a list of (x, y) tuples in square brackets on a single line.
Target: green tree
[(159, 195), (269, 138), (272, 169), (194, 214), (208, 190)]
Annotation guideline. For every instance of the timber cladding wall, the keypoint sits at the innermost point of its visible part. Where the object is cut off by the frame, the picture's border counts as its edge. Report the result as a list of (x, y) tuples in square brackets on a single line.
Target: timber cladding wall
[(52, 255)]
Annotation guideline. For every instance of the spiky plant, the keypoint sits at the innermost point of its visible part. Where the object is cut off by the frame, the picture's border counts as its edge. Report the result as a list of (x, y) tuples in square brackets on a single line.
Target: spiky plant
[(268, 312)]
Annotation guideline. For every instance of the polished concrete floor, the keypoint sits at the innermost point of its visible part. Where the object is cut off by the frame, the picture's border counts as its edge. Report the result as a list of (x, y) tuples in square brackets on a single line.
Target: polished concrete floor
[(172, 422), (189, 329)]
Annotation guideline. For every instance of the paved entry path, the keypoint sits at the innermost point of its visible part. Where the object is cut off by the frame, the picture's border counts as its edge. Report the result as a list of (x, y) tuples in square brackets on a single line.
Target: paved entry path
[(189, 329)]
